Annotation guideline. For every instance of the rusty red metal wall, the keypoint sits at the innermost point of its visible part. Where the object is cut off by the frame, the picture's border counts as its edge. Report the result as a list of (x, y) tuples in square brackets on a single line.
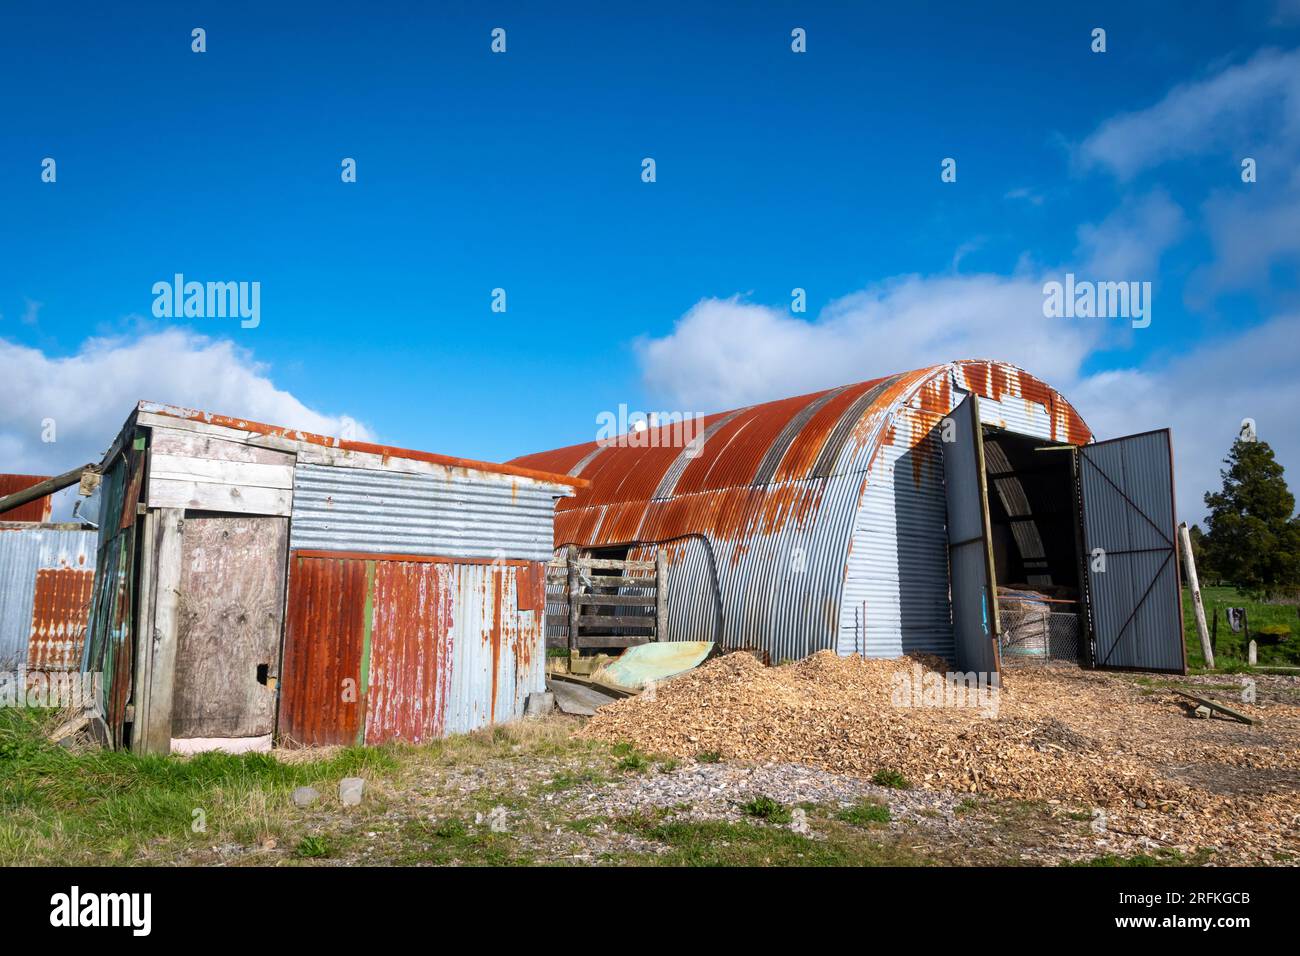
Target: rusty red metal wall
[(60, 610), (410, 651), (38, 510), (434, 645), (323, 644)]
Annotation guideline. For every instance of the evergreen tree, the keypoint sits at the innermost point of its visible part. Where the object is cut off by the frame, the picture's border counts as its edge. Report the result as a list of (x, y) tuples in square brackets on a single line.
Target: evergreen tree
[(1253, 541)]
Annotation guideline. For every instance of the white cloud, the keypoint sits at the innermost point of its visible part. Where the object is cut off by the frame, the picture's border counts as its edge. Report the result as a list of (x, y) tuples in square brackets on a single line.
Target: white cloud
[(1227, 112), (90, 394), (1128, 243), (1203, 396)]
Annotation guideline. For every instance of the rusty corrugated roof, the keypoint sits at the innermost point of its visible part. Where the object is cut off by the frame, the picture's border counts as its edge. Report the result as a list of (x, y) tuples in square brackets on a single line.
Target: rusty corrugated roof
[(38, 510), (758, 467)]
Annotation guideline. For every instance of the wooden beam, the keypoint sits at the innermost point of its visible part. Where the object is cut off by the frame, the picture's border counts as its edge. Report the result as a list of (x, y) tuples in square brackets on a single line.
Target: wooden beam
[(617, 600), (609, 620), (43, 488), (157, 724), (661, 593), (612, 640), (144, 631), (1215, 705)]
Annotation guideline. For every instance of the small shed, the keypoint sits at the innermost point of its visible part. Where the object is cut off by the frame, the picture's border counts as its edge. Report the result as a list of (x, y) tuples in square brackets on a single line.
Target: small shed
[(266, 585)]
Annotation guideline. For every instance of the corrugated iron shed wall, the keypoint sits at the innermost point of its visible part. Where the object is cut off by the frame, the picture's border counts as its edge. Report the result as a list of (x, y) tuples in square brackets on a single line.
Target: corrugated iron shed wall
[(27, 552), (456, 513), (776, 498), (38, 510), (431, 646)]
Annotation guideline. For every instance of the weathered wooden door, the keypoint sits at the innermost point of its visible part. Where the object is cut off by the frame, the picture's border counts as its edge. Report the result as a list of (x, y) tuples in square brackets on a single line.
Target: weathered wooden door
[(231, 609)]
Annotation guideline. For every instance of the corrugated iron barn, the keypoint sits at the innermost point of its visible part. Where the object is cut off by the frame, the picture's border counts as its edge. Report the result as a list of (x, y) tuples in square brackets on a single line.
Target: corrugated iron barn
[(896, 516), (260, 583), (46, 571)]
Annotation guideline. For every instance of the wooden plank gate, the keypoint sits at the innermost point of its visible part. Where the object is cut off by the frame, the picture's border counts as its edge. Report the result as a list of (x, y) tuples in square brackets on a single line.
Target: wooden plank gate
[(605, 602)]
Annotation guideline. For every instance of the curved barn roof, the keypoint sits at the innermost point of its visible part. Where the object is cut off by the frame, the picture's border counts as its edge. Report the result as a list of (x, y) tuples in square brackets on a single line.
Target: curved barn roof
[(759, 467)]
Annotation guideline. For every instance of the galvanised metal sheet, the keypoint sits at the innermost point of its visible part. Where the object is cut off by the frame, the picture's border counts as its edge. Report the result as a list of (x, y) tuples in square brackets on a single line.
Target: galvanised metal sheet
[(786, 543), (1126, 487), (464, 515), (24, 552), (896, 583), (970, 557)]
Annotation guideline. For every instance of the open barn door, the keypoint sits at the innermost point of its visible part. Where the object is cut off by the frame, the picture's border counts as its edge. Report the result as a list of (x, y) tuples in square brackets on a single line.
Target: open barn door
[(1126, 498), (970, 545)]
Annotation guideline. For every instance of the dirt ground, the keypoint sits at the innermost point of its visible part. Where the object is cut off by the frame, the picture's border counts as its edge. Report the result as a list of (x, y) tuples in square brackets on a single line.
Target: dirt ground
[(1121, 749)]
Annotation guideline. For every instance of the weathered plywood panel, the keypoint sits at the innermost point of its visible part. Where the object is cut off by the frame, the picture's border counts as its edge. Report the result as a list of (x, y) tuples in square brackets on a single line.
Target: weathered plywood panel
[(231, 607), (207, 496), (321, 694)]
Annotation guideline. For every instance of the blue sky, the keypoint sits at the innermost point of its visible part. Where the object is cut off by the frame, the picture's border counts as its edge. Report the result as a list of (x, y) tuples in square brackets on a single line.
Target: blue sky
[(522, 170)]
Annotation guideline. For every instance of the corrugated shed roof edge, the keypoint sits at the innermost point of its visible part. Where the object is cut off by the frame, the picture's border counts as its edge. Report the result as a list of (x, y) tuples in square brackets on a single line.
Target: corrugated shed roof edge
[(327, 441)]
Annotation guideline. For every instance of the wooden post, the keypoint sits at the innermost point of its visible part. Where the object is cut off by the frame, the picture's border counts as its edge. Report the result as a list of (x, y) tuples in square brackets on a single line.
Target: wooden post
[(144, 631), (661, 594), (156, 726), (575, 586), (1206, 650)]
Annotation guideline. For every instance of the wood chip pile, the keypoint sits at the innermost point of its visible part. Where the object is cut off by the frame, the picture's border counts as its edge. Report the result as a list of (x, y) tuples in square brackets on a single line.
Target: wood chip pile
[(1083, 738)]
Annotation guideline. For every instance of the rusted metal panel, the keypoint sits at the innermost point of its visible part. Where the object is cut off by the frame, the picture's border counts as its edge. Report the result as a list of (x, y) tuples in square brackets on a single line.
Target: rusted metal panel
[(321, 697), (38, 510), (796, 516), (26, 551), (410, 651), (434, 645), (59, 613)]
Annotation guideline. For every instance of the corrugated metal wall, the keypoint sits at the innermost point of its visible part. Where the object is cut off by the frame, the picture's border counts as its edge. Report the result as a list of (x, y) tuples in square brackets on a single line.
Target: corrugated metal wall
[(456, 514), (431, 647), (65, 557)]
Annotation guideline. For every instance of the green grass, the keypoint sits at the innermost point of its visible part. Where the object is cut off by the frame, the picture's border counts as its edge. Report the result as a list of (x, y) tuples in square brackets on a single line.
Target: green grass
[(1160, 857), (57, 806), (891, 778), (1230, 648), (765, 808), (708, 756), (865, 814), (312, 847), (722, 843)]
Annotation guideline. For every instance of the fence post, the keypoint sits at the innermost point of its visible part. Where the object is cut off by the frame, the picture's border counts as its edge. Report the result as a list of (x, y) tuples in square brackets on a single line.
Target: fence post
[(661, 593), (574, 587), (1194, 586)]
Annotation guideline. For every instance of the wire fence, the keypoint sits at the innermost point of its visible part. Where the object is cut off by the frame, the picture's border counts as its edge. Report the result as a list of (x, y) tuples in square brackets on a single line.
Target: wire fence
[(1039, 630)]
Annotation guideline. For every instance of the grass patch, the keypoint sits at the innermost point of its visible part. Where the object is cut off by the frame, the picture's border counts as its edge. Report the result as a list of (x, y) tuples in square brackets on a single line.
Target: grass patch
[(101, 806), (708, 756), (1230, 649), (1161, 857), (865, 814), (765, 808), (721, 843), (891, 778), (312, 847)]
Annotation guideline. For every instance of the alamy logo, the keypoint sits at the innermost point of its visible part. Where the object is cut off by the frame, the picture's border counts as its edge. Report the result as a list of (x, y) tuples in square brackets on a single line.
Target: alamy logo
[(103, 909), (624, 429), (1102, 300), (208, 300)]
